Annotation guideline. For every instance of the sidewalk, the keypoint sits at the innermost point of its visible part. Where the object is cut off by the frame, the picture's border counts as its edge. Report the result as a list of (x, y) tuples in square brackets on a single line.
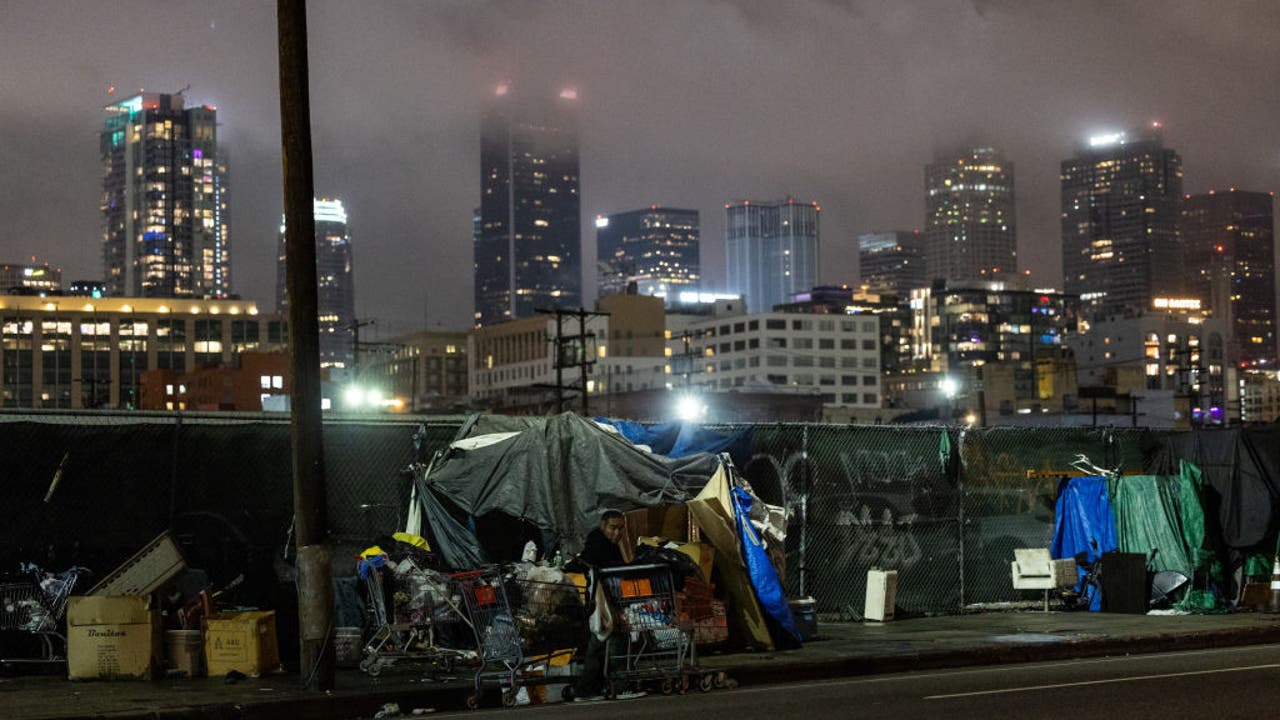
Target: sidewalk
[(841, 650)]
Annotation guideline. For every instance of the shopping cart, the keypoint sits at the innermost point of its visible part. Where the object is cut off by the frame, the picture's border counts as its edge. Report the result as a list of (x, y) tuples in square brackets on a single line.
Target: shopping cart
[(34, 607), (393, 639), (656, 644), (522, 631)]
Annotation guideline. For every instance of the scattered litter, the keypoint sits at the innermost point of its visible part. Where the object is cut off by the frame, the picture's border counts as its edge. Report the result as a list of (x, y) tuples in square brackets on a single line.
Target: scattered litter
[(389, 710), (423, 711)]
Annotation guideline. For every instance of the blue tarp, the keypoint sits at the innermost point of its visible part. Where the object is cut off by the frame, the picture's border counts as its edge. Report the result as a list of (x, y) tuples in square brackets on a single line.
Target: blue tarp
[(764, 578), (1083, 522), (681, 439)]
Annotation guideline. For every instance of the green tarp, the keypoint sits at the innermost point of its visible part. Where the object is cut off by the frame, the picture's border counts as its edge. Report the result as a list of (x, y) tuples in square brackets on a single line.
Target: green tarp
[(1163, 513)]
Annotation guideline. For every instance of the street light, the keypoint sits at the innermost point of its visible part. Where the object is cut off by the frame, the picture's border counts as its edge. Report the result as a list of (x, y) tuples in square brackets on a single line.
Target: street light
[(690, 408), (950, 388)]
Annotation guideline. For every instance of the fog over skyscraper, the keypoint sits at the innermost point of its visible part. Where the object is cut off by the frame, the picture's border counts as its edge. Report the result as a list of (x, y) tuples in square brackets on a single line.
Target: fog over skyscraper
[(892, 262), (164, 200), (335, 283), (528, 254), (970, 227), (1121, 200)]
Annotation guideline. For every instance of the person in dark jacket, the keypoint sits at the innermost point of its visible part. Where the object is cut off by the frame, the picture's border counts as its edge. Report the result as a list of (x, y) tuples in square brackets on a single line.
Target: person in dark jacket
[(605, 546)]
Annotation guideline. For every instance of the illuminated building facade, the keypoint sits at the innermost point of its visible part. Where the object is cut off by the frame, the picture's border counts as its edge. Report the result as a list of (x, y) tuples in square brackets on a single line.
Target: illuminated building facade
[(656, 248), (1121, 200), (164, 200), (65, 352), (892, 262), (335, 283), (969, 231), (771, 251), (1228, 238), (18, 279), (528, 253)]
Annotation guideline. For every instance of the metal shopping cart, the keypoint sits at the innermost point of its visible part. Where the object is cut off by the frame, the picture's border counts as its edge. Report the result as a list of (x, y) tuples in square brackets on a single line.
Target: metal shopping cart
[(35, 607), (657, 645), (414, 639), (524, 629)]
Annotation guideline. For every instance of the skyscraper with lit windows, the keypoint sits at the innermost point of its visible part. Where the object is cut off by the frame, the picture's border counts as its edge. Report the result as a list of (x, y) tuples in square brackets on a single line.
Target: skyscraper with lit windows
[(528, 252), (656, 248), (892, 262), (970, 231), (771, 251), (164, 200), (1228, 239), (1121, 201), (335, 283)]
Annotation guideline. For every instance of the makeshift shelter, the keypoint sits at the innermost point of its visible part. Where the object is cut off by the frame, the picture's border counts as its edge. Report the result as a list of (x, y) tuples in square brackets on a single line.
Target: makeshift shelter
[(681, 439), (558, 473)]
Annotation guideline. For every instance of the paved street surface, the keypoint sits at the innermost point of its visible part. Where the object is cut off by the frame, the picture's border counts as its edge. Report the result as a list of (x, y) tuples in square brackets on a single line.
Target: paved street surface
[(1223, 683)]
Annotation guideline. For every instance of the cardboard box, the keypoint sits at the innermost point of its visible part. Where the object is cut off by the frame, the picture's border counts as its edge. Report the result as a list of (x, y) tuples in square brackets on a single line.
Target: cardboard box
[(242, 641), (112, 637), (670, 522)]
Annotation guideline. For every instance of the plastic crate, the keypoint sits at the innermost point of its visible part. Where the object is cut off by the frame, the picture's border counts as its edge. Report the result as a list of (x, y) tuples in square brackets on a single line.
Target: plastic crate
[(144, 573)]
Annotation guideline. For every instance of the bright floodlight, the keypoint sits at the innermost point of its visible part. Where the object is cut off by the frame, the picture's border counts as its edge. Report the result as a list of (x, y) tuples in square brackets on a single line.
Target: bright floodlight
[(950, 387), (690, 408), (374, 398), (970, 419), (353, 396)]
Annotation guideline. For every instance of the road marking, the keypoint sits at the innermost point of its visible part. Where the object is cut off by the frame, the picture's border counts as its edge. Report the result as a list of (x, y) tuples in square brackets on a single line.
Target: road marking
[(1107, 681)]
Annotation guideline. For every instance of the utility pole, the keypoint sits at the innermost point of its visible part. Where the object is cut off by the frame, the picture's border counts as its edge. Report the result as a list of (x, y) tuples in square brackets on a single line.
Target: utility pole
[(310, 521), (573, 351), (354, 326)]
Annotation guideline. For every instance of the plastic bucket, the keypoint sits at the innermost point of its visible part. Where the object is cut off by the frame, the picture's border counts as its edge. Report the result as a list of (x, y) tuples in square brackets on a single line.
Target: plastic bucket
[(346, 647), (185, 650)]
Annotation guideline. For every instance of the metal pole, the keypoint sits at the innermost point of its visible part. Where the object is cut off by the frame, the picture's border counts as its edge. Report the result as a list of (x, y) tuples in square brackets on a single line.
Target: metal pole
[(315, 590), (559, 362), (959, 514), (804, 510), (586, 362)]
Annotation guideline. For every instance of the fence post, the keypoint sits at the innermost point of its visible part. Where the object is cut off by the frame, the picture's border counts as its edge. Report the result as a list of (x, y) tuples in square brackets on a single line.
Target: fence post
[(959, 470), (804, 509)]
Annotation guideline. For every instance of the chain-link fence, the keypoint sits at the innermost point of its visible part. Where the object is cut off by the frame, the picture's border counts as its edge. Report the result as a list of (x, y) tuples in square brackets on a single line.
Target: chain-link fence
[(943, 507)]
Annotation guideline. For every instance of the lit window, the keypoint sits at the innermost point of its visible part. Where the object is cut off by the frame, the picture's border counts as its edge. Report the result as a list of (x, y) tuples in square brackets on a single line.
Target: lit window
[(265, 382), (168, 390), (277, 382)]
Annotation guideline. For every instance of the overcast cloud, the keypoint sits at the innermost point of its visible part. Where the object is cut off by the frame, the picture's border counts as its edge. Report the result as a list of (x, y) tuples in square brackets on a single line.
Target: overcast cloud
[(686, 103)]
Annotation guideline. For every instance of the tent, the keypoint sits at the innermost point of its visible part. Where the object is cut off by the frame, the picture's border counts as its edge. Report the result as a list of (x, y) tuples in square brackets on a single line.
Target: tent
[(556, 473)]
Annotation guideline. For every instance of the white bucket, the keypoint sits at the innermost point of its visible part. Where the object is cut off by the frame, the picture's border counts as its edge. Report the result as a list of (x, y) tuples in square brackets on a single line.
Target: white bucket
[(346, 647), (185, 650)]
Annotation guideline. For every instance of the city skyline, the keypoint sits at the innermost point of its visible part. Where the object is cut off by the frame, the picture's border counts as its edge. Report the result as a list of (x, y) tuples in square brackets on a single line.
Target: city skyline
[(401, 146)]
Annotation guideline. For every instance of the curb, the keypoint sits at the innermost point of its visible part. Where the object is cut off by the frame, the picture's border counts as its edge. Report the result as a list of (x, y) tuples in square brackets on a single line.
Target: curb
[(365, 703), (762, 673)]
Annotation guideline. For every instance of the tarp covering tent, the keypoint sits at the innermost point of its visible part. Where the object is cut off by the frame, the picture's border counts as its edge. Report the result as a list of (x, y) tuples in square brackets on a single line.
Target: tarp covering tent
[(1241, 467), (555, 472), (1083, 521), (681, 439), (1163, 514)]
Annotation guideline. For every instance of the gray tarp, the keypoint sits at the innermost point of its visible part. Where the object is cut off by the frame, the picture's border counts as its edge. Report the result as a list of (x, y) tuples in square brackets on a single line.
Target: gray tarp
[(558, 473)]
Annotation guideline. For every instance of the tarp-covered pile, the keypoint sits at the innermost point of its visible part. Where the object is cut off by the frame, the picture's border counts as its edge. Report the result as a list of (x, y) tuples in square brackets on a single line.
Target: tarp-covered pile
[(558, 473)]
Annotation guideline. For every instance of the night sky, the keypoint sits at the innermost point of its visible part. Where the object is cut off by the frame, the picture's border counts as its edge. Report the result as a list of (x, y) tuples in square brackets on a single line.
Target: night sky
[(686, 103)]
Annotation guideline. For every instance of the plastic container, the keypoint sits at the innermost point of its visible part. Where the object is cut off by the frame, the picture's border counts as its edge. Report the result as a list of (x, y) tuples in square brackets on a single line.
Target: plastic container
[(184, 650), (346, 647), (144, 573), (804, 611)]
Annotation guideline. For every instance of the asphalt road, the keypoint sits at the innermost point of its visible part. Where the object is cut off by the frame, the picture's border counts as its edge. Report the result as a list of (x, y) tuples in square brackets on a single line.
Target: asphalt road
[(1239, 682)]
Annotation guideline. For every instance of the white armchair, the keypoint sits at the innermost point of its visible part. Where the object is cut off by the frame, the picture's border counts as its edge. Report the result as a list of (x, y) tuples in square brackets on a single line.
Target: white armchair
[(1033, 569)]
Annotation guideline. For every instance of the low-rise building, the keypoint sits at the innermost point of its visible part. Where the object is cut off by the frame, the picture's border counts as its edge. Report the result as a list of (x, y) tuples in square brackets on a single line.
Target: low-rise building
[(64, 352)]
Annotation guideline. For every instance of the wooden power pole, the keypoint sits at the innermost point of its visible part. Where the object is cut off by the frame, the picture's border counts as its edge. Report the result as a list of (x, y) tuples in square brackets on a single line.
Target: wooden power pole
[(315, 589)]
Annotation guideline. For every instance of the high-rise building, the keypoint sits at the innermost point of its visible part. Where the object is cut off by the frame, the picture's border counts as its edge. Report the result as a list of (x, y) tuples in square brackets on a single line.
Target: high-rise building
[(164, 200), (970, 231), (892, 262), (335, 284), (1121, 198), (771, 251), (1230, 257), (529, 251), (656, 248)]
